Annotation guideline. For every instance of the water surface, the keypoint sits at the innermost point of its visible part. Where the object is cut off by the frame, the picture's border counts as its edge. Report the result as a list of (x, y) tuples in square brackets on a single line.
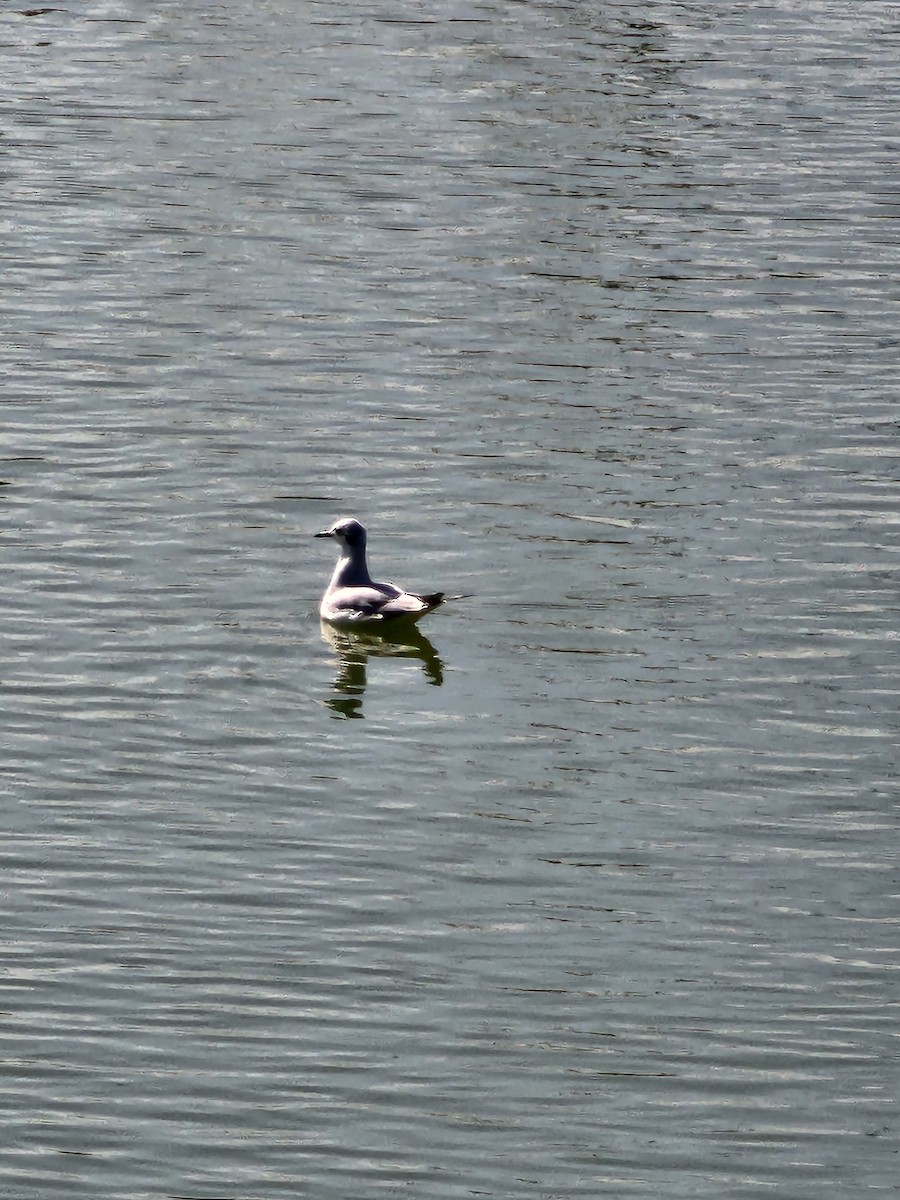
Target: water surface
[(590, 312)]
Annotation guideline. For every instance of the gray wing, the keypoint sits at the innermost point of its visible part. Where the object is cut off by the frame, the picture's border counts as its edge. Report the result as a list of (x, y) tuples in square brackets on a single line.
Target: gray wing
[(383, 603)]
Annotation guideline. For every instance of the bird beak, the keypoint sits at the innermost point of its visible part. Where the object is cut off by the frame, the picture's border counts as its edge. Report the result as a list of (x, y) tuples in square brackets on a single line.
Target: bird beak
[(324, 533)]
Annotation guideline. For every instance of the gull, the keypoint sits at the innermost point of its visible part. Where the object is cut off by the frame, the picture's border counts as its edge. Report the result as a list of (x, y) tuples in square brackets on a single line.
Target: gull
[(353, 598)]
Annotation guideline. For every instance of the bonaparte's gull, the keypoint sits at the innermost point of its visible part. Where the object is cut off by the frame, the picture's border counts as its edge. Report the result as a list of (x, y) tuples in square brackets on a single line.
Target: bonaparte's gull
[(352, 598)]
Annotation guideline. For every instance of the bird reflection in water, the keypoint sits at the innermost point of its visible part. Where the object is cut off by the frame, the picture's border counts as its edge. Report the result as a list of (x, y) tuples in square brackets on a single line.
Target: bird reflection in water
[(354, 648)]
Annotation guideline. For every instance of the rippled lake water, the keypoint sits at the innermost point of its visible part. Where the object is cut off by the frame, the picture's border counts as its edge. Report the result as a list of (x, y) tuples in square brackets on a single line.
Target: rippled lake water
[(589, 312)]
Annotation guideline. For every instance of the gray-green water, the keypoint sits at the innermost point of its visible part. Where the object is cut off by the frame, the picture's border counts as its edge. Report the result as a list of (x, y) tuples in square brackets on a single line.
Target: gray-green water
[(589, 310)]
